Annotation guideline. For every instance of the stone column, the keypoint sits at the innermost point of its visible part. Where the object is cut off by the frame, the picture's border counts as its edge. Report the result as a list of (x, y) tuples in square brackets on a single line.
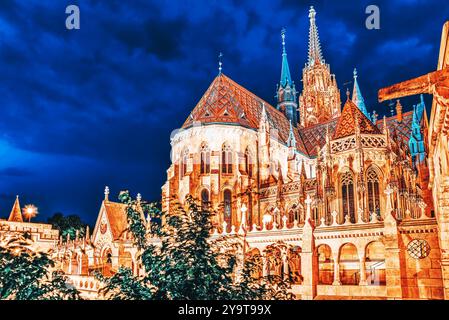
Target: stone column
[(285, 268), (309, 260), (392, 251), (362, 271), (337, 281)]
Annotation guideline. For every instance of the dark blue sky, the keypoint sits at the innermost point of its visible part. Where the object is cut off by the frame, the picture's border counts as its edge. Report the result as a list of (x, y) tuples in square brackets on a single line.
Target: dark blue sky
[(93, 107)]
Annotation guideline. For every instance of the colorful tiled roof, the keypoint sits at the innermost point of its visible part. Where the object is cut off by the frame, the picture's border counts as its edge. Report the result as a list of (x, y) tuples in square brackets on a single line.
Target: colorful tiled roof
[(400, 129), (316, 135), (117, 217), (16, 214), (350, 116), (227, 102)]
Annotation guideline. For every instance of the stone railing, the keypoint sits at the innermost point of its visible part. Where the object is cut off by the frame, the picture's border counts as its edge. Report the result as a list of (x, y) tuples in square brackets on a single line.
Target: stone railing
[(87, 285)]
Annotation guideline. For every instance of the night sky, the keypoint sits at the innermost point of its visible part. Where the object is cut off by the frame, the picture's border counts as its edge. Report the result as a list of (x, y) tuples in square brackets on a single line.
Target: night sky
[(81, 109)]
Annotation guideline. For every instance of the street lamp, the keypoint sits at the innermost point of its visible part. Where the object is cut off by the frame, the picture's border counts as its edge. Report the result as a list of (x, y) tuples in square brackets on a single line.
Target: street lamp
[(29, 211)]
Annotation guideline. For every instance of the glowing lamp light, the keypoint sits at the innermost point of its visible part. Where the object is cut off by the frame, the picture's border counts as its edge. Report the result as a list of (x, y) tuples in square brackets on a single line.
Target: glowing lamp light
[(29, 212)]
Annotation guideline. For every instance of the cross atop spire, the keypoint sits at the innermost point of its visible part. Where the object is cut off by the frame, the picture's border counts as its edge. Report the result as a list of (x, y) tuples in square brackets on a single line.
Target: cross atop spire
[(220, 64), (315, 55), (357, 97)]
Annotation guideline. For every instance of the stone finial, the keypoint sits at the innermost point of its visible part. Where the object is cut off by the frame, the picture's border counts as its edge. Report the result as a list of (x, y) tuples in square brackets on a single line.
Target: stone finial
[(284, 222), (398, 111), (106, 193), (347, 219), (225, 227), (360, 215), (323, 222), (295, 224), (139, 198), (254, 229), (232, 229), (334, 218)]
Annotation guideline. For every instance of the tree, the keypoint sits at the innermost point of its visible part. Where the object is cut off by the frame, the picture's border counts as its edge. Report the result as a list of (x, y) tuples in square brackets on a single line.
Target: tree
[(68, 225), (29, 275), (187, 263)]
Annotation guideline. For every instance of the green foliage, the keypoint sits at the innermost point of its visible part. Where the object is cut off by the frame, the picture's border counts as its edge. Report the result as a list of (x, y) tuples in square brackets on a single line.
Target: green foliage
[(181, 261), (28, 275), (68, 225)]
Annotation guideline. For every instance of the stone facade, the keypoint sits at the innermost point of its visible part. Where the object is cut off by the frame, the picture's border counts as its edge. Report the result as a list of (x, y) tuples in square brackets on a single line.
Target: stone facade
[(336, 202)]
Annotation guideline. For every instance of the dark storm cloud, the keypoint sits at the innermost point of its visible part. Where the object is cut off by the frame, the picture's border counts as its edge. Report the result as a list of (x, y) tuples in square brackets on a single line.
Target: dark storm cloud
[(85, 108)]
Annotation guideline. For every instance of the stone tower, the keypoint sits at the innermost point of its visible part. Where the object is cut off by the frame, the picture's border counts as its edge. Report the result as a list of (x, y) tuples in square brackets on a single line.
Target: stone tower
[(320, 98)]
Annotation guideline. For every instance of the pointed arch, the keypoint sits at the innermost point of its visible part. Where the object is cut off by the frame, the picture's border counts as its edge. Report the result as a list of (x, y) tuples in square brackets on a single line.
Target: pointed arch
[(226, 159), (204, 158), (348, 194), (183, 162), (227, 207), (205, 199), (373, 180)]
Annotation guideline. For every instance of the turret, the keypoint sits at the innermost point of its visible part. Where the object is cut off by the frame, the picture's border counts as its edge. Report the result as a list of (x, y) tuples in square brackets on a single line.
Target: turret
[(416, 141), (320, 99)]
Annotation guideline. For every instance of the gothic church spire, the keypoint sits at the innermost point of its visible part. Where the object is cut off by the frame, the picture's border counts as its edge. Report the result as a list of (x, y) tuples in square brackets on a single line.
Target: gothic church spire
[(285, 70), (315, 55)]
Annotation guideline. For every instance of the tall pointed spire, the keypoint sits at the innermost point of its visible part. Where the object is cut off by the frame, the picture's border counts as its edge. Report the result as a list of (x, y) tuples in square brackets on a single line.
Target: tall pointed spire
[(315, 55), (286, 91), (357, 97), (285, 70), (16, 214)]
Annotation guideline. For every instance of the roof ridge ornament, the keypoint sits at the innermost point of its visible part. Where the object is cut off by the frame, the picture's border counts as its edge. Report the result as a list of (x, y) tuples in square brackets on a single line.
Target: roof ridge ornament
[(106, 193)]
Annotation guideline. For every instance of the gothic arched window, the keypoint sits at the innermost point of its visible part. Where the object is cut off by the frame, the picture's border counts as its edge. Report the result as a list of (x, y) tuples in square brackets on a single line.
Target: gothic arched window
[(205, 159), (347, 193), (184, 158), (372, 178), (226, 159), (293, 214), (227, 200), (248, 163), (205, 199)]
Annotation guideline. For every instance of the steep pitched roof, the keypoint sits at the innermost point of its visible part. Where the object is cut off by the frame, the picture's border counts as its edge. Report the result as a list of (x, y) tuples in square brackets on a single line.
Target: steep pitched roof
[(316, 135), (401, 129), (16, 214), (227, 102), (116, 214), (285, 70), (357, 97), (346, 125)]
